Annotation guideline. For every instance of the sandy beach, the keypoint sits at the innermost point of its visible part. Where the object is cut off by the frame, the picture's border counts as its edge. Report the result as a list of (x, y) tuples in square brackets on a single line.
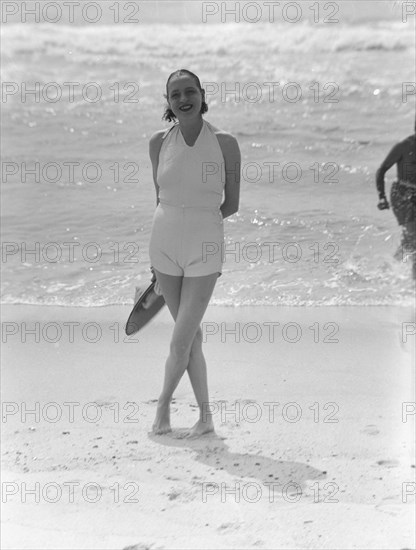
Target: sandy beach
[(314, 413)]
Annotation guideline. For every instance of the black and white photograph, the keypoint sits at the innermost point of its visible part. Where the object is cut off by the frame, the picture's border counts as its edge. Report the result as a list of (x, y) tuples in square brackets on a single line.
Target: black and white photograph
[(208, 241)]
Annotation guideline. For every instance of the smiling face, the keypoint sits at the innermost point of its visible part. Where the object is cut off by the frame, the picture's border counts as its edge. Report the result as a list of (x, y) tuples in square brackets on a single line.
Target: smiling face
[(184, 97)]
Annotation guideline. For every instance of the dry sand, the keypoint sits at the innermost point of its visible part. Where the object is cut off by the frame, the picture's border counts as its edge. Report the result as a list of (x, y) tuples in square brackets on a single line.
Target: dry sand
[(324, 421)]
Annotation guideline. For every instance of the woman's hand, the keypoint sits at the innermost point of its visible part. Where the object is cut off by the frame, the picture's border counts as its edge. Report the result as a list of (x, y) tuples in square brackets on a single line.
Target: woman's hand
[(157, 289)]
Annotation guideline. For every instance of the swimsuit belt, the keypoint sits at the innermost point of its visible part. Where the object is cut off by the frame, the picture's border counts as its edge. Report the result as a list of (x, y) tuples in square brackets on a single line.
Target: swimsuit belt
[(188, 206)]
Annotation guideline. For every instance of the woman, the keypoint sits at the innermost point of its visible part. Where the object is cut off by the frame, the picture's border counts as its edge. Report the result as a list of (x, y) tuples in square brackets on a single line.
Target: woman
[(194, 164)]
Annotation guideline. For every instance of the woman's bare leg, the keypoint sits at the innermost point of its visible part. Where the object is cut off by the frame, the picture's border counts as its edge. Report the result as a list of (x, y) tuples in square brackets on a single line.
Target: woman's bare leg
[(171, 289), (197, 371), (187, 299)]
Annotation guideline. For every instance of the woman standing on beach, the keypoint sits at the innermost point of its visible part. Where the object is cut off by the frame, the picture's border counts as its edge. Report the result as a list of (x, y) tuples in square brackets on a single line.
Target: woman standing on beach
[(194, 164)]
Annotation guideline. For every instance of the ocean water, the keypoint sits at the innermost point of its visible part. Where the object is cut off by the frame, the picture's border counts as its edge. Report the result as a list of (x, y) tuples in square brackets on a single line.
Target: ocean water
[(77, 191)]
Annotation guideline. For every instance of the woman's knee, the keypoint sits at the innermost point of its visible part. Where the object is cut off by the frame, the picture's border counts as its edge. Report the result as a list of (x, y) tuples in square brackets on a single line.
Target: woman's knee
[(180, 350), (198, 336), (183, 349)]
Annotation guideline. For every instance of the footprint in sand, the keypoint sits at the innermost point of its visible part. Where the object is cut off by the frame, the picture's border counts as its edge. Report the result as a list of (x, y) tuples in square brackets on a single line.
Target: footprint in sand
[(389, 508), (106, 401), (370, 429), (388, 463), (174, 494), (228, 527), (244, 401)]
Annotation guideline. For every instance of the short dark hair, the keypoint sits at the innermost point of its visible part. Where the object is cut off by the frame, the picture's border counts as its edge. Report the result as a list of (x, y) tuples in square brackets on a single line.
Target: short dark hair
[(168, 114)]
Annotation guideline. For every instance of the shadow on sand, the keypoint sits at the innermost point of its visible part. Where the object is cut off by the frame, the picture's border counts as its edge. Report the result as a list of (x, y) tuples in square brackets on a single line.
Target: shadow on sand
[(212, 451)]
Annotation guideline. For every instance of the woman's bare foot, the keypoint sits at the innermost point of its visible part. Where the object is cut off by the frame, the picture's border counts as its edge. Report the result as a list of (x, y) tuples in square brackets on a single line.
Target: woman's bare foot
[(161, 424), (201, 428)]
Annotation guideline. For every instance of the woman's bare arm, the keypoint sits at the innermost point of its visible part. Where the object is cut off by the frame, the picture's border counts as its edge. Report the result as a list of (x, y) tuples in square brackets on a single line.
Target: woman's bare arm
[(155, 144), (232, 160)]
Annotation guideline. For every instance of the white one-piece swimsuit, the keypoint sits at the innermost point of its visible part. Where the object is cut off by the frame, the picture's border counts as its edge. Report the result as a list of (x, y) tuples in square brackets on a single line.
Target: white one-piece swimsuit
[(187, 235)]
